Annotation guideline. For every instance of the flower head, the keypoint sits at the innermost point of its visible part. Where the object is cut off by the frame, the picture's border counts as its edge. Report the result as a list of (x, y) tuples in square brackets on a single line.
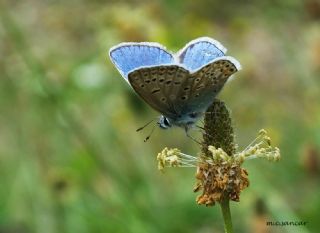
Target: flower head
[(219, 173)]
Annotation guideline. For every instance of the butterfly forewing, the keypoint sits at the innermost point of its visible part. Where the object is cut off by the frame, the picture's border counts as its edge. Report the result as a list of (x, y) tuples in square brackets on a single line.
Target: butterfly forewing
[(131, 56)]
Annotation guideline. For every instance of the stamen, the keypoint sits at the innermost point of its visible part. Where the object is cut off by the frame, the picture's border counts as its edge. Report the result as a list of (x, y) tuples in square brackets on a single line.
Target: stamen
[(260, 147)]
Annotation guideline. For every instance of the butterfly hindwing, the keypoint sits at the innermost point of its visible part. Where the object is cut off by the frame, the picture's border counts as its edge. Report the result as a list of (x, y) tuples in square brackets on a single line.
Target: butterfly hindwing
[(131, 56), (159, 86), (205, 84), (173, 91)]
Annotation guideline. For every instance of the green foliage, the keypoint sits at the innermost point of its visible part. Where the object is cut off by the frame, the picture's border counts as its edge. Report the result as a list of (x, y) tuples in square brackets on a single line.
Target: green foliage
[(70, 159)]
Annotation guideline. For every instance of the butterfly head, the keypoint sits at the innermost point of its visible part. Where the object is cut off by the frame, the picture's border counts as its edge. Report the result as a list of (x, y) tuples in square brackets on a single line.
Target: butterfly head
[(164, 122), (186, 120)]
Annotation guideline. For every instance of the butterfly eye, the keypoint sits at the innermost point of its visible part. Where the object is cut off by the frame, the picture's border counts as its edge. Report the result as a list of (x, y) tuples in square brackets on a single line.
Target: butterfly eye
[(166, 122)]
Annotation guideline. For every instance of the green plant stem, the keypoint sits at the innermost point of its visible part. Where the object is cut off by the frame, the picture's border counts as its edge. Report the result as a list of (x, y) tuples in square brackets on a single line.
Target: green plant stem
[(225, 208)]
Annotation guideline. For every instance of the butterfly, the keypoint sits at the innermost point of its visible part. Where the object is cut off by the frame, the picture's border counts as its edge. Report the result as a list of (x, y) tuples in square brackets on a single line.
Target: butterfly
[(180, 86)]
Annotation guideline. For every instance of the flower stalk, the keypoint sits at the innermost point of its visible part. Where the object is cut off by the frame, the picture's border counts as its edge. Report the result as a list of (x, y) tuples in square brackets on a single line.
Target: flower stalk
[(219, 174), (225, 209)]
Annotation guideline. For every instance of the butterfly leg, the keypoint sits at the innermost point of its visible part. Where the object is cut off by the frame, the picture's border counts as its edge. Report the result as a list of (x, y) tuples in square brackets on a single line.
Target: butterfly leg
[(202, 130), (210, 113), (189, 136), (200, 127)]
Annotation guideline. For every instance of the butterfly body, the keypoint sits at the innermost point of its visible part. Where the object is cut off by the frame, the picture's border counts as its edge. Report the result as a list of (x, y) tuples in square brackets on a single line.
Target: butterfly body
[(184, 121), (180, 86)]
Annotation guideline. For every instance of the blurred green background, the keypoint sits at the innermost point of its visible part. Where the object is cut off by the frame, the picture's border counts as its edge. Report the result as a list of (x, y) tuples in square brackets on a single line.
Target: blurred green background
[(70, 158)]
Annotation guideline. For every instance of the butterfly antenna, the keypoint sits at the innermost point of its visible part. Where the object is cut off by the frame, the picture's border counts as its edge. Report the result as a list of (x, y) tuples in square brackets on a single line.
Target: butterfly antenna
[(141, 128), (148, 137)]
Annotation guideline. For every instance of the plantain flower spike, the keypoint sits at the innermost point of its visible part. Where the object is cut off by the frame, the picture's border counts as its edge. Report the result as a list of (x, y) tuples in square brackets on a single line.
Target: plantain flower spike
[(218, 167)]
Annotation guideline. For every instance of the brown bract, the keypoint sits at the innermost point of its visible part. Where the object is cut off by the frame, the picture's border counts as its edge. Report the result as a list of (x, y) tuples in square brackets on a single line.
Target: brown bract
[(218, 181)]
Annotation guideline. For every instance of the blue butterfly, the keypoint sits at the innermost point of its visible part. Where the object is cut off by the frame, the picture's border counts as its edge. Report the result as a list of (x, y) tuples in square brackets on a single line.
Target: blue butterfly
[(180, 86)]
